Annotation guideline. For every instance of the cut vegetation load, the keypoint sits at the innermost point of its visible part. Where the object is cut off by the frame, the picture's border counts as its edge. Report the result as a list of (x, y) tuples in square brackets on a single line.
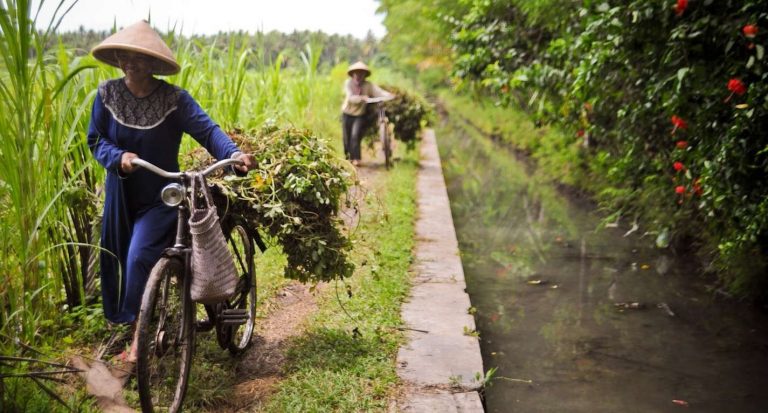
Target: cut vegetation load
[(407, 112), (293, 196)]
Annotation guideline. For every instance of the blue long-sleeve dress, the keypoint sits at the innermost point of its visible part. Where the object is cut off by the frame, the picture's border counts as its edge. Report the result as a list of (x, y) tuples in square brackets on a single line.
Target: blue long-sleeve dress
[(136, 225)]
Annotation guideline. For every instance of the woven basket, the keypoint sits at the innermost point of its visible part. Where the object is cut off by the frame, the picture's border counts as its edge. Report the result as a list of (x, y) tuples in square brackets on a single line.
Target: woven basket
[(214, 277)]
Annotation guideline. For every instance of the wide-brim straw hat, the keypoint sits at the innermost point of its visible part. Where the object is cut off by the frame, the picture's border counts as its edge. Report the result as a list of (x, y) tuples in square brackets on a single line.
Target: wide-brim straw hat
[(359, 66), (140, 38)]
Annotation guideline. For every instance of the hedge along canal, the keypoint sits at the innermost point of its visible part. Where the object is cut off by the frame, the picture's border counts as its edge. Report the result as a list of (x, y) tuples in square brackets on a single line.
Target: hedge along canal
[(578, 319)]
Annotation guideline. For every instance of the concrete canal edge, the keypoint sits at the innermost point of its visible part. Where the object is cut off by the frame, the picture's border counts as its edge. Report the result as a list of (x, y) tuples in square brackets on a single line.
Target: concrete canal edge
[(440, 362)]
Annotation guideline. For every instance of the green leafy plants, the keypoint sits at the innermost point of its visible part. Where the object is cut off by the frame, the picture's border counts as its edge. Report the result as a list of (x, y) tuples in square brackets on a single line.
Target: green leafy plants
[(294, 196), (408, 112)]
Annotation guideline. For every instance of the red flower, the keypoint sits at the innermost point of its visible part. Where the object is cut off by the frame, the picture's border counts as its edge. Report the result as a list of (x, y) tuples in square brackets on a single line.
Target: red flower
[(680, 7), (749, 30), (681, 144), (680, 189), (678, 166), (580, 133), (697, 186), (737, 86), (679, 123)]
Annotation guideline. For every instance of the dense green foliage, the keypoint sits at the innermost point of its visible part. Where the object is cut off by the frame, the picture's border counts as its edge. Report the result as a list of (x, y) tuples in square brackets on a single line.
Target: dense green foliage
[(46, 224), (294, 195), (667, 99), (417, 34), (408, 112)]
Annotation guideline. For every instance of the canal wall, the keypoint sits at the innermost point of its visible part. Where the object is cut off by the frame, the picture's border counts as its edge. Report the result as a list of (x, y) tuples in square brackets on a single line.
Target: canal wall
[(440, 362)]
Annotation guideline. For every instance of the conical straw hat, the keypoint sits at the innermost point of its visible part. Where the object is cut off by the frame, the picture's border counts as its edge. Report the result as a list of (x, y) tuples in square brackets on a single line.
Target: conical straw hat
[(140, 38), (359, 66)]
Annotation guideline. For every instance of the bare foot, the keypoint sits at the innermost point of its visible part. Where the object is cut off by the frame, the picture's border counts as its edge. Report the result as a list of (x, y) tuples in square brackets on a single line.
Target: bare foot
[(133, 353)]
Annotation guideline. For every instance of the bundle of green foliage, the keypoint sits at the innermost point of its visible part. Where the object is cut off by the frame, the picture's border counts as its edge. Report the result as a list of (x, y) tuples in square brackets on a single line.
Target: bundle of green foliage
[(408, 112), (294, 196)]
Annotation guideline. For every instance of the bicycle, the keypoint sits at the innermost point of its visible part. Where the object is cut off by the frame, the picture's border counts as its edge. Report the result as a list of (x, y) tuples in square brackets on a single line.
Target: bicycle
[(383, 122), (167, 320)]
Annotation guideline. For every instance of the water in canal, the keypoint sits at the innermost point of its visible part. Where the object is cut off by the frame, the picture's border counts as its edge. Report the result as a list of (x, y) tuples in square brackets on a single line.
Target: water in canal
[(579, 320)]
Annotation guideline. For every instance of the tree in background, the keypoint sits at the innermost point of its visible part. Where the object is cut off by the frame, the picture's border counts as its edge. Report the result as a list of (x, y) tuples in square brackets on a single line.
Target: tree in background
[(417, 34)]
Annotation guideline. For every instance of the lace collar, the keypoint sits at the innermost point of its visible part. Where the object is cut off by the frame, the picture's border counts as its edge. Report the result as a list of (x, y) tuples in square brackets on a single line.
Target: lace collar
[(139, 113)]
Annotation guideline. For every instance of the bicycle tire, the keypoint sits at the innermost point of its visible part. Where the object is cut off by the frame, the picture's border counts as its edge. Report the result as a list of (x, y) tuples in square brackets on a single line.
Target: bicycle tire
[(386, 144), (241, 240), (166, 338)]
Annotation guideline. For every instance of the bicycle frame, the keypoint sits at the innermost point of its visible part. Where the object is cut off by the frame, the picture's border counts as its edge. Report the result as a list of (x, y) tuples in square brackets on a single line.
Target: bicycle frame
[(386, 139), (167, 323), (382, 113), (182, 247)]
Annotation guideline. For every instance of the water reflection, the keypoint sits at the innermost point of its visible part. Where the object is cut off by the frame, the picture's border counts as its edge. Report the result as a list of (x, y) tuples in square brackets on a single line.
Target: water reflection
[(597, 322)]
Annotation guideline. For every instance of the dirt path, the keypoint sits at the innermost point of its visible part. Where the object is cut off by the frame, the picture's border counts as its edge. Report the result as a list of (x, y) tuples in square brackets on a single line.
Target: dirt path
[(262, 366)]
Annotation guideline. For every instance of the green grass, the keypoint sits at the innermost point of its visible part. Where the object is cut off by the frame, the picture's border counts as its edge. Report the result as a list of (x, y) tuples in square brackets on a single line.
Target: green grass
[(346, 359), (21, 395), (558, 156)]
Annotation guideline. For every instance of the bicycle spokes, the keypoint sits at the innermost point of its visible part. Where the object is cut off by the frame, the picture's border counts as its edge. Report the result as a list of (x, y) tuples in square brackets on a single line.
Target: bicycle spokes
[(165, 339)]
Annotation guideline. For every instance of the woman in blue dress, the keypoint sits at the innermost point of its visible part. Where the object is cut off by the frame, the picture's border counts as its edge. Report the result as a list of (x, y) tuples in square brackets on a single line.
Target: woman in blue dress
[(141, 116)]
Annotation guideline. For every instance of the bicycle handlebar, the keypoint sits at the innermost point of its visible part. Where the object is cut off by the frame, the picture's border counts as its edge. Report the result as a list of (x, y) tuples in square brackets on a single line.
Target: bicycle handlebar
[(175, 175)]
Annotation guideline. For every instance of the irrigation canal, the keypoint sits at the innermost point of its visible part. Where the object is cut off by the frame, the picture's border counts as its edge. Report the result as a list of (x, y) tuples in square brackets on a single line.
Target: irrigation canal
[(584, 320)]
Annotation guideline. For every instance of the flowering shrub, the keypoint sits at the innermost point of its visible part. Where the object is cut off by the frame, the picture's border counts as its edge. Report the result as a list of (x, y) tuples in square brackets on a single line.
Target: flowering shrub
[(639, 65)]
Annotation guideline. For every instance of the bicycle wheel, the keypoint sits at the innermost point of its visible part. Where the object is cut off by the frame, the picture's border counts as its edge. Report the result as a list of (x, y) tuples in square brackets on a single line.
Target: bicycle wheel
[(241, 245), (166, 338), (386, 144)]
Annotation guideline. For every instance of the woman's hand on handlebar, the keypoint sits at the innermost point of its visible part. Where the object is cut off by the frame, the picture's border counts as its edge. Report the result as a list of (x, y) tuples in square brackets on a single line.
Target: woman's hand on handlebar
[(379, 99), (248, 161), (125, 162)]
